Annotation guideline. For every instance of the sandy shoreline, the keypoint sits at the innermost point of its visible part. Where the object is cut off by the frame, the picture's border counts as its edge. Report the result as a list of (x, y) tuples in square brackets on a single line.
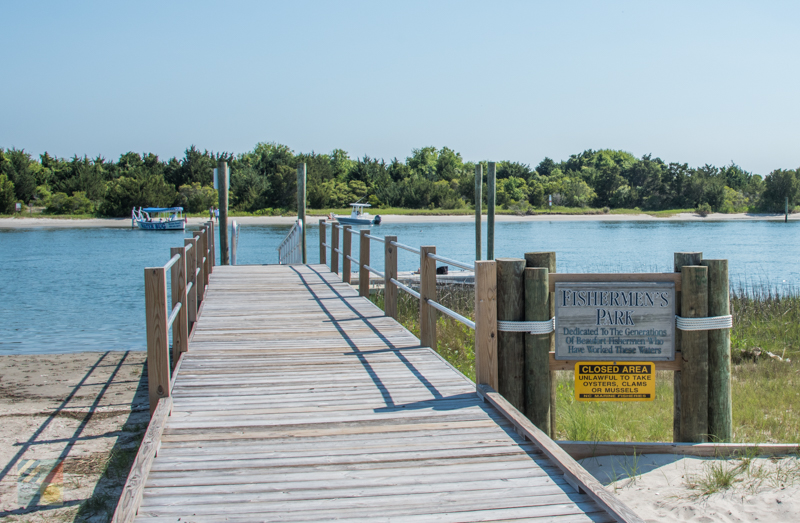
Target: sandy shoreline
[(125, 223)]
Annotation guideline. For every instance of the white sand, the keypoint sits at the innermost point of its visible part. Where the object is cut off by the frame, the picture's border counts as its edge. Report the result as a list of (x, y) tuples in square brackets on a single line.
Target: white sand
[(662, 491), (27, 222)]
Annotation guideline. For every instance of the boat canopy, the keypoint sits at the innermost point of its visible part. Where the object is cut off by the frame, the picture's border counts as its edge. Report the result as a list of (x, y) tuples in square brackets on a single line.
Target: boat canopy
[(163, 209), (360, 205)]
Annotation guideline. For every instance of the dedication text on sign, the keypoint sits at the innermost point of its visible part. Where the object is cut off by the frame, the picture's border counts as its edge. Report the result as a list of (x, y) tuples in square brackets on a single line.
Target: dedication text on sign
[(612, 381), (621, 321)]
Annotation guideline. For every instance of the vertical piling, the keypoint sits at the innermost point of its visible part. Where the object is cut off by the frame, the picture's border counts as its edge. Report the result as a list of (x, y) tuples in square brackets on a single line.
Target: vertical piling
[(694, 350), (511, 345), (491, 197), (537, 348), (427, 291), (547, 260), (301, 207), (478, 209), (680, 259), (222, 183), (720, 410)]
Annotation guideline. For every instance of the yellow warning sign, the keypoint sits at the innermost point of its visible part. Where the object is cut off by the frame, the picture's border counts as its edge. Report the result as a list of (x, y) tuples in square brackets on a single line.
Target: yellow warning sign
[(612, 381)]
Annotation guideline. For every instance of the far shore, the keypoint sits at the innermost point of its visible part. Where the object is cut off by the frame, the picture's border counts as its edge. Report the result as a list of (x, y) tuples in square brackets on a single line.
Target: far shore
[(125, 223)]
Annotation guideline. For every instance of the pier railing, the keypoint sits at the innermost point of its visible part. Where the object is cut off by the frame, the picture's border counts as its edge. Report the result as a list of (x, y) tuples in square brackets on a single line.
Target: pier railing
[(485, 283), (189, 268), (291, 248), (234, 241)]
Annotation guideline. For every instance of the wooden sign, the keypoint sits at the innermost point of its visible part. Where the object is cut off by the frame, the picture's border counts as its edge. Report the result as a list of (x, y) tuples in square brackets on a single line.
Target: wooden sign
[(612, 381), (620, 321)]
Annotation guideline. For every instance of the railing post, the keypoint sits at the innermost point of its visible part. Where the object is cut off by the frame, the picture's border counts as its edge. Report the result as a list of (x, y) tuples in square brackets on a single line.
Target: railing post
[(191, 273), (155, 295), (201, 276), (389, 271), (323, 252), (486, 323), (694, 351), (301, 209), (511, 345), (347, 247), (363, 260), (180, 327), (334, 246), (209, 246), (212, 245), (680, 259), (427, 291), (478, 205)]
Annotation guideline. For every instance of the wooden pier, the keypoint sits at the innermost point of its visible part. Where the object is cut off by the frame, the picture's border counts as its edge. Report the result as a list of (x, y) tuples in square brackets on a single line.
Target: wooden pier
[(299, 400)]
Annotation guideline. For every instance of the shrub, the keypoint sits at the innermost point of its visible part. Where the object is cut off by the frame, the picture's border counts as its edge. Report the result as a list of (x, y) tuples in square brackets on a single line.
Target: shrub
[(703, 209), (6, 195)]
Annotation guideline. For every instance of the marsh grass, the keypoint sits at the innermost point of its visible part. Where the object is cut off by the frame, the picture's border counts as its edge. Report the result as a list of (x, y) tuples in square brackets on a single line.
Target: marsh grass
[(766, 391)]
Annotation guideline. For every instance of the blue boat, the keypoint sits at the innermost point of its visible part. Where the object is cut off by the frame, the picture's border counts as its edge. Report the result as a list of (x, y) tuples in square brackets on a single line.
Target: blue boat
[(159, 218), (358, 216)]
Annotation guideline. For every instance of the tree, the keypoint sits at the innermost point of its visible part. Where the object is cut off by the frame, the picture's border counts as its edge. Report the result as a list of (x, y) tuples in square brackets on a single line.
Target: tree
[(7, 199), (779, 185), (545, 167)]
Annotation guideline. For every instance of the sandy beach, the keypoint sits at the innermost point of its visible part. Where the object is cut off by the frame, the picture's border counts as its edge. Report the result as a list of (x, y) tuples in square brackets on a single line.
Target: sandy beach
[(23, 222)]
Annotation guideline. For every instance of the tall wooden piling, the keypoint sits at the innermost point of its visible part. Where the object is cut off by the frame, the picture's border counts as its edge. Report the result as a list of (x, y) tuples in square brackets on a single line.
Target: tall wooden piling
[(547, 260), (720, 409), (478, 209), (363, 261), (335, 247), (680, 260), (486, 323), (694, 350), (201, 265), (491, 195), (427, 291), (389, 272), (222, 184), (511, 345), (537, 348), (301, 207), (347, 248)]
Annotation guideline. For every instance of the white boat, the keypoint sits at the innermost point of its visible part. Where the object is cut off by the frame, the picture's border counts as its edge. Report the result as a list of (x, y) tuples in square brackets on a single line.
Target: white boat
[(159, 218), (358, 216)]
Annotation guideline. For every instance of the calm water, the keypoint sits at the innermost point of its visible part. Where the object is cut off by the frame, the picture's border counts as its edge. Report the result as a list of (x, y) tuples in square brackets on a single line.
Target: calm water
[(68, 290)]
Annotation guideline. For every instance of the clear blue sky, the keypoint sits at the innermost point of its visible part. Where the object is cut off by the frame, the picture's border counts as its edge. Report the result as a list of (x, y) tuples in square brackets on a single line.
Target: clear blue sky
[(696, 82)]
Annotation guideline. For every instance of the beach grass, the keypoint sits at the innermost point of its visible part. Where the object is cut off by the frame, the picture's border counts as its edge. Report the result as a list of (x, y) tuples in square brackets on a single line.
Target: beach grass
[(765, 389)]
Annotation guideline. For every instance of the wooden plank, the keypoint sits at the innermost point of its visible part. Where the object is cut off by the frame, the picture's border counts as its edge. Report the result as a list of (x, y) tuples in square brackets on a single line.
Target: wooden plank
[(591, 449), (573, 472), (133, 490)]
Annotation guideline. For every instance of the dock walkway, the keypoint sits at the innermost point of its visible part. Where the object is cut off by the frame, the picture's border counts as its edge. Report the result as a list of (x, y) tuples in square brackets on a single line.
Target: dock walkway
[(300, 401)]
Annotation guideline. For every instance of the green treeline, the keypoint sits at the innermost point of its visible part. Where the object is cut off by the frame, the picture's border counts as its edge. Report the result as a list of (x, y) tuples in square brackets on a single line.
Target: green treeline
[(264, 181)]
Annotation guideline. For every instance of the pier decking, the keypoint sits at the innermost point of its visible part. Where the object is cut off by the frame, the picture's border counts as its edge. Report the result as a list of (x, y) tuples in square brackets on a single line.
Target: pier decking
[(300, 401)]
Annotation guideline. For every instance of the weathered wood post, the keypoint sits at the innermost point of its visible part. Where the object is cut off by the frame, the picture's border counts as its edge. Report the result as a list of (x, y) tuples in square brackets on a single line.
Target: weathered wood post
[(680, 260), (207, 246), (335, 247), (363, 261), (427, 291), (511, 345), (491, 197), (486, 323), (212, 258), (694, 350), (720, 408), (478, 209), (201, 265), (222, 183), (157, 315), (323, 253), (301, 206), (347, 248), (180, 327), (548, 261), (537, 348), (191, 277), (389, 272)]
